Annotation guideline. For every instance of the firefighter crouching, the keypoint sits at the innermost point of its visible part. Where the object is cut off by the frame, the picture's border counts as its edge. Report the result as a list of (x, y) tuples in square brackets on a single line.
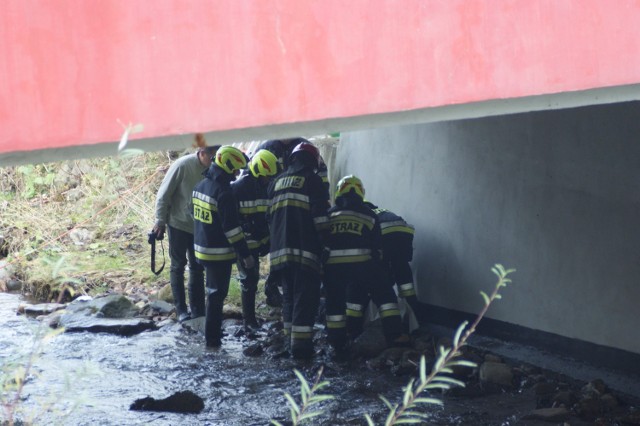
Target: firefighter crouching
[(397, 246), (218, 236), (297, 218), (351, 272), (250, 191)]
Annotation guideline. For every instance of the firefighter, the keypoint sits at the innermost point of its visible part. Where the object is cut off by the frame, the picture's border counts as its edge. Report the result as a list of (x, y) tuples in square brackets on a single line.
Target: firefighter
[(250, 191), (218, 237), (352, 275), (397, 246), (282, 149), (297, 218)]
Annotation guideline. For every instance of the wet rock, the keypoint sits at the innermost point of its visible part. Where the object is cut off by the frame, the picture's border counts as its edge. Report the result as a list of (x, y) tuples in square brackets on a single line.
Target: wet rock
[(492, 358), (179, 402), (231, 312), (165, 294), (14, 285), (630, 419), (370, 343), (167, 322), (589, 408), (551, 415), (196, 325), (564, 398), (609, 402), (544, 392), (423, 344), (253, 350), (496, 373), (594, 388), (77, 322), (161, 306), (111, 306), (41, 309), (408, 364)]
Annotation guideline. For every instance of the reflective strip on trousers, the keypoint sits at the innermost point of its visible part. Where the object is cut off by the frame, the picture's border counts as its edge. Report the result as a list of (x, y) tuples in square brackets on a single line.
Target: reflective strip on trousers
[(301, 332), (389, 309), (406, 290), (336, 321), (354, 310)]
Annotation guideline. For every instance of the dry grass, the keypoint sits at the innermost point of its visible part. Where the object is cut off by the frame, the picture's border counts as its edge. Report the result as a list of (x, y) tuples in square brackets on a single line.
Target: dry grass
[(94, 213)]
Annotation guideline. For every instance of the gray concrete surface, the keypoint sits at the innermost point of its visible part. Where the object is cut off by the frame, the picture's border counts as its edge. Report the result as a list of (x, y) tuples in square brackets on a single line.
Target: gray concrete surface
[(628, 384), (554, 194)]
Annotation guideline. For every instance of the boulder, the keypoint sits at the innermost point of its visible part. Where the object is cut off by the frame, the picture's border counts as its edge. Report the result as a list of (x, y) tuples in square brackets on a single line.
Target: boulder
[(496, 373), (165, 294), (78, 322), (34, 311), (552, 415)]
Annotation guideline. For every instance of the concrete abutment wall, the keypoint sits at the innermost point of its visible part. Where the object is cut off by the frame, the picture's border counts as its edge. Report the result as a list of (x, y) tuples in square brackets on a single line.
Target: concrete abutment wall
[(554, 194)]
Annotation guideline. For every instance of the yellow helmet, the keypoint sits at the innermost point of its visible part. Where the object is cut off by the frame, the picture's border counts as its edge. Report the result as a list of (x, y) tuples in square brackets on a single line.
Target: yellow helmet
[(350, 183), (230, 159), (263, 163)]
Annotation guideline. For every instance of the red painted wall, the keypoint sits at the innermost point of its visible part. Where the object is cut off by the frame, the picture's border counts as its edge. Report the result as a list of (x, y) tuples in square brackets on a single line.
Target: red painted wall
[(70, 69)]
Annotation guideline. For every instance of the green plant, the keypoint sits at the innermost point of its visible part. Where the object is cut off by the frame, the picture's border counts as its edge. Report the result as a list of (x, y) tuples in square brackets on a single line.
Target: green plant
[(309, 396), (406, 411)]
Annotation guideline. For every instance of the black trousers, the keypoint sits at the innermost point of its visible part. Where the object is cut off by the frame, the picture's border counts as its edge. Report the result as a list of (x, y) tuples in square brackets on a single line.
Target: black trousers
[(181, 253), (349, 287), (218, 277), (301, 293)]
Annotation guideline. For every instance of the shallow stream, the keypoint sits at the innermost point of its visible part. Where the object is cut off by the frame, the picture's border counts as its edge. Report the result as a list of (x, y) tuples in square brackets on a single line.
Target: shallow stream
[(92, 379)]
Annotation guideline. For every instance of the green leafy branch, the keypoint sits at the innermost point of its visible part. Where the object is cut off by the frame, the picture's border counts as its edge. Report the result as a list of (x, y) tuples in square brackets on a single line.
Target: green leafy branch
[(309, 396), (405, 413)]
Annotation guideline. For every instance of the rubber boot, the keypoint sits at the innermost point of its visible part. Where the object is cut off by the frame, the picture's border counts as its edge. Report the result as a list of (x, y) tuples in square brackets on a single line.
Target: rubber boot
[(301, 348), (196, 294), (177, 289), (213, 321), (249, 310)]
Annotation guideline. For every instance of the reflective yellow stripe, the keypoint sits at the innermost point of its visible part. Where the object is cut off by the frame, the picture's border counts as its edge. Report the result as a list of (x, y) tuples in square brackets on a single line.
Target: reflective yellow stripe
[(234, 235), (396, 226), (301, 332), (348, 259), (215, 257), (214, 253), (406, 290), (204, 204), (390, 313), (253, 206), (294, 255), (336, 321), (389, 309), (354, 314), (254, 244)]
